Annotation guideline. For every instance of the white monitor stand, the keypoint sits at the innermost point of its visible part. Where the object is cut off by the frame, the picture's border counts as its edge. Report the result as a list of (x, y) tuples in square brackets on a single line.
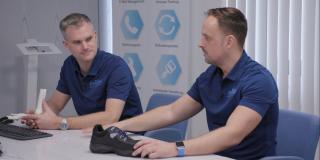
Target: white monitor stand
[(32, 49)]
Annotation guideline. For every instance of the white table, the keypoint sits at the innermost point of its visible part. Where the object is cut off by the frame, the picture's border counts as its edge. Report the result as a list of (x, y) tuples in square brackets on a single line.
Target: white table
[(66, 145)]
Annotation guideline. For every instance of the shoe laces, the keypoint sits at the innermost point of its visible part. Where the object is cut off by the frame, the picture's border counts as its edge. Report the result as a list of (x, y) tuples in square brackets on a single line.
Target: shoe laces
[(114, 131)]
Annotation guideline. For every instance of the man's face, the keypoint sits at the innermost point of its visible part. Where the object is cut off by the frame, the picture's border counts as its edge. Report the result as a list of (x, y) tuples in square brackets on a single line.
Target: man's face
[(81, 42), (212, 41)]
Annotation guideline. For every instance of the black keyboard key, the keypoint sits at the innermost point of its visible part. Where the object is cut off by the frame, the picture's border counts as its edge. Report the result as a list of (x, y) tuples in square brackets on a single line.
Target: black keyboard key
[(21, 133)]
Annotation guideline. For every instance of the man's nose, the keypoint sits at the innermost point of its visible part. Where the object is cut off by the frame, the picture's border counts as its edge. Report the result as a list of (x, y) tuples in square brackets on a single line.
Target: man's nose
[(84, 45), (200, 44)]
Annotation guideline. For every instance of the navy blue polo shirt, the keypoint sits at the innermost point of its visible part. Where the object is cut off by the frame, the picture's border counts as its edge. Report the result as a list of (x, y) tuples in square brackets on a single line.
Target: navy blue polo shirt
[(248, 84), (108, 77)]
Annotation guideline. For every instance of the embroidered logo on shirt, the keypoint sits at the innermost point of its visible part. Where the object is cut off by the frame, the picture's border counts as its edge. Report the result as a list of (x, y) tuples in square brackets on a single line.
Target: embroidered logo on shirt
[(95, 83), (231, 92)]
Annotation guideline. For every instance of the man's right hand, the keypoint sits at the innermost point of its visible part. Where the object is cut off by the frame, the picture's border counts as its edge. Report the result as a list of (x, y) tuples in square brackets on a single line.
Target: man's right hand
[(46, 120), (29, 122)]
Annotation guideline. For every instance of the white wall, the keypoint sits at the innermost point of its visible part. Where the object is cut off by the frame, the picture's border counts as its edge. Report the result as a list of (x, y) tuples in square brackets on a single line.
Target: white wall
[(39, 19)]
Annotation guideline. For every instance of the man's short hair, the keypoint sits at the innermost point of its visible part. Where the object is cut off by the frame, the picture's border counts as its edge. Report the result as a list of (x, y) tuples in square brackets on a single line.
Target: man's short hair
[(75, 19), (231, 21)]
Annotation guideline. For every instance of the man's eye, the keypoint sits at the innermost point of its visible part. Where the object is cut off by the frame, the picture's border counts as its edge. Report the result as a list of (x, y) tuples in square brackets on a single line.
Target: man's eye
[(89, 39), (76, 42), (206, 38)]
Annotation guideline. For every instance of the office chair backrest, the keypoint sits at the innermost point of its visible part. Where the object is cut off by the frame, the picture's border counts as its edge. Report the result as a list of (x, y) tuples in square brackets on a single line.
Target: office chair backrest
[(297, 134), (181, 127)]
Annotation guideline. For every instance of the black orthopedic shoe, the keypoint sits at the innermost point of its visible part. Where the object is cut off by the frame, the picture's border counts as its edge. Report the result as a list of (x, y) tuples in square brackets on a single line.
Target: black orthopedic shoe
[(111, 140)]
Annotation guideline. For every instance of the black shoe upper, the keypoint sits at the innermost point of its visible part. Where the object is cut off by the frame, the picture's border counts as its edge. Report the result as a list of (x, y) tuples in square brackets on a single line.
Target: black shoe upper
[(111, 140)]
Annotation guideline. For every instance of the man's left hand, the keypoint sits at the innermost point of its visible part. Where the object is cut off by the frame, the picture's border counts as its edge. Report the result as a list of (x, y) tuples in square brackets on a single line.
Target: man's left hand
[(152, 148)]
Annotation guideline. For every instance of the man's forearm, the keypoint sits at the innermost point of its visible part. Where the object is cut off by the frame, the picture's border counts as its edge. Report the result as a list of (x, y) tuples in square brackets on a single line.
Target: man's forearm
[(90, 120), (212, 142), (236, 129), (154, 119), (54, 107)]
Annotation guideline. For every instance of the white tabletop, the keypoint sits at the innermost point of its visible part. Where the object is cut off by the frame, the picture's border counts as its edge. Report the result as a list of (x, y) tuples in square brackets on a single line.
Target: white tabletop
[(65, 145)]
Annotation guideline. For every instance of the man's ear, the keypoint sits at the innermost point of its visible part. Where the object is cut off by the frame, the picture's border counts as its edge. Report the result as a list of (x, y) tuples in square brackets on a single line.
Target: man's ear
[(230, 40), (96, 36), (65, 44)]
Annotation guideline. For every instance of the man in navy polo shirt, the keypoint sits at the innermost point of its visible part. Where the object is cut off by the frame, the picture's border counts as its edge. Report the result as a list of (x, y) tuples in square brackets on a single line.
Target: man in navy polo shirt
[(239, 95), (100, 84)]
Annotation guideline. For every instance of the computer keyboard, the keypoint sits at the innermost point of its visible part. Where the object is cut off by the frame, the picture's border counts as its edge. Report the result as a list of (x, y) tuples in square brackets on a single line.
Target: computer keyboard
[(21, 133)]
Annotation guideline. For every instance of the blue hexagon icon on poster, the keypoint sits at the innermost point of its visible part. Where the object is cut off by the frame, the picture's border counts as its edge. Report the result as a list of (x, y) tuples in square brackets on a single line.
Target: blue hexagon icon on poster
[(131, 24), (168, 69), (134, 64), (167, 25)]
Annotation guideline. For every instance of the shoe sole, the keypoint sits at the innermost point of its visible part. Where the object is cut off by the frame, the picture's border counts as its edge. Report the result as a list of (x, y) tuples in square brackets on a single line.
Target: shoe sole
[(100, 148), (124, 153)]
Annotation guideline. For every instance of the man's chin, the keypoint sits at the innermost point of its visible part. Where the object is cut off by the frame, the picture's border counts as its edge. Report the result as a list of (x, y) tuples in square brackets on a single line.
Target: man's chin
[(206, 59), (85, 59), (89, 56)]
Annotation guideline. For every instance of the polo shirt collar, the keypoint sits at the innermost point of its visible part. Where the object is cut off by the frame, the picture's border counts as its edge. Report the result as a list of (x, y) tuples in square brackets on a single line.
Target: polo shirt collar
[(94, 66), (238, 68)]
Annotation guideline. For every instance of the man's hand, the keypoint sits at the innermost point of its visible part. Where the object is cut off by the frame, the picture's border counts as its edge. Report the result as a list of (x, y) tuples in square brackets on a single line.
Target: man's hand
[(29, 122), (153, 148), (46, 120)]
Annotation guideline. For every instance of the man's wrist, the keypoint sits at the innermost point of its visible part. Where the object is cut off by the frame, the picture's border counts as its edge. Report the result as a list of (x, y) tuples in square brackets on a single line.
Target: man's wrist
[(63, 124), (180, 148), (57, 122)]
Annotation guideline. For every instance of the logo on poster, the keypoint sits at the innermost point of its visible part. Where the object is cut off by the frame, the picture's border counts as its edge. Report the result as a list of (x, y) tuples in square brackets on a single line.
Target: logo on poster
[(131, 24), (167, 25), (134, 64), (168, 69)]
